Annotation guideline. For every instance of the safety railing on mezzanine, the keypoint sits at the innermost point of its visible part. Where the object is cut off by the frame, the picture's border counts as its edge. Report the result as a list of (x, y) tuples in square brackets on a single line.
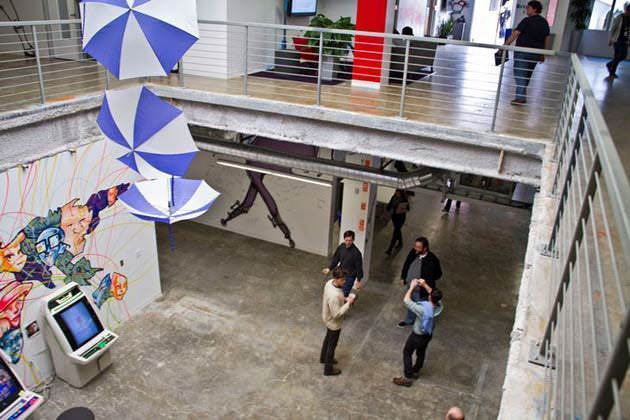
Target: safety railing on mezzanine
[(585, 347), (442, 81)]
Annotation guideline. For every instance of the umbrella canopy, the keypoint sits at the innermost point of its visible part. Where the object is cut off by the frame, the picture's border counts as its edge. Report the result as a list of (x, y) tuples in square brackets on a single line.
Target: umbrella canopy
[(136, 38), (149, 135), (169, 200)]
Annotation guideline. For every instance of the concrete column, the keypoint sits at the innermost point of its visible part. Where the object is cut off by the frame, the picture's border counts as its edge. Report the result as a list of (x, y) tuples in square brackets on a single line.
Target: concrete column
[(358, 210)]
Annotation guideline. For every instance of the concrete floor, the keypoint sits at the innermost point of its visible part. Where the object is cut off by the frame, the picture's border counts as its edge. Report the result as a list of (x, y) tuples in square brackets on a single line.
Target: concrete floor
[(614, 101), (238, 331)]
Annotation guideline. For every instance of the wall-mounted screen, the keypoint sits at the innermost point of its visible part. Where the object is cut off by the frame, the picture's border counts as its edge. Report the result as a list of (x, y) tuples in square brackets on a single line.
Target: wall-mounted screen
[(79, 323), (9, 386), (302, 7)]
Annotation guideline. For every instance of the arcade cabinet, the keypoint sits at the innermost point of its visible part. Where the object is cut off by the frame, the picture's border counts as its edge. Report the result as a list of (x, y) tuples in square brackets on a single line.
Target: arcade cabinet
[(16, 402), (78, 342)]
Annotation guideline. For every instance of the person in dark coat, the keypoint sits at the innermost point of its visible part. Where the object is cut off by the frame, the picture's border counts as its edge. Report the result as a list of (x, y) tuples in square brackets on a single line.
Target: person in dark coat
[(349, 258), (397, 208), (421, 263)]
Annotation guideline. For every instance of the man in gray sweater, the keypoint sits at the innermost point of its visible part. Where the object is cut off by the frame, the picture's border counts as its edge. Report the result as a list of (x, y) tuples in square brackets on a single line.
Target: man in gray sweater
[(334, 307)]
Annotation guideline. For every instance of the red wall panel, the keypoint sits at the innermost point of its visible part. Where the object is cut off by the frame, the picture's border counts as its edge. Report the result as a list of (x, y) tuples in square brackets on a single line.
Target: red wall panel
[(368, 51)]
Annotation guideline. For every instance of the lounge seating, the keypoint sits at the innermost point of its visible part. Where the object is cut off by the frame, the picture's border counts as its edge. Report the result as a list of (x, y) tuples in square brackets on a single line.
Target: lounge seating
[(421, 58)]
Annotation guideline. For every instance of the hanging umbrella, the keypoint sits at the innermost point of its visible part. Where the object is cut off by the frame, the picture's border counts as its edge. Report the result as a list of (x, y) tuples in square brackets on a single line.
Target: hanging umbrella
[(136, 38), (169, 200), (148, 134)]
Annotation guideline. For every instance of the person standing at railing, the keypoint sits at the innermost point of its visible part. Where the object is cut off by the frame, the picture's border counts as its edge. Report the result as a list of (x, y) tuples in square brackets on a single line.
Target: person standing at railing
[(532, 32), (619, 38)]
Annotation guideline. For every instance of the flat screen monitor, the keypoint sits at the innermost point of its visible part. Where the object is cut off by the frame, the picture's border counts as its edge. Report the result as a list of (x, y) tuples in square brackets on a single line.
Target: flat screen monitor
[(302, 7), (9, 386), (79, 323)]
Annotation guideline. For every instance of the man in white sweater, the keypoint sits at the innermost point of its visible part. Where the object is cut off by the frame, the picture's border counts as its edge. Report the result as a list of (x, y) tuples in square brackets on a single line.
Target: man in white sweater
[(334, 307)]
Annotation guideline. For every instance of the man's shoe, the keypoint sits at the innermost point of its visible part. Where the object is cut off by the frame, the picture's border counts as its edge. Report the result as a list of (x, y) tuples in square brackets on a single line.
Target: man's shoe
[(415, 375), (334, 362), (402, 381), (402, 324), (333, 372), (518, 102)]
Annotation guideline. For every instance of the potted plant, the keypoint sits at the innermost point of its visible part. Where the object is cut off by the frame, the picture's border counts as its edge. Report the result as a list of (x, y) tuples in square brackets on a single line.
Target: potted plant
[(335, 45), (445, 28), (580, 13)]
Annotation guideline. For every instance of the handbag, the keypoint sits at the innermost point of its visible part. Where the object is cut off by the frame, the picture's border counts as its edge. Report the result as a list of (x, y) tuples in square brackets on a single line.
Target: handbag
[(498, 55)]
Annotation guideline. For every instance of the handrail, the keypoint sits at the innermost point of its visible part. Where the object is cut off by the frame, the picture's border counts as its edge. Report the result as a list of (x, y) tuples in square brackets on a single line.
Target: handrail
[(584, 248), (440, 41)]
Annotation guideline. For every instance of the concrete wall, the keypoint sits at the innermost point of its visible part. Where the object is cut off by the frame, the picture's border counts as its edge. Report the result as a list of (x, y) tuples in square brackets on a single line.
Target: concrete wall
[(305, 208), (75, 195)]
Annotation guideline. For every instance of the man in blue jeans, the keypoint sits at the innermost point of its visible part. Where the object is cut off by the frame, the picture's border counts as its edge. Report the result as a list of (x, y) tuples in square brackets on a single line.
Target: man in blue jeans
[(532, 32)]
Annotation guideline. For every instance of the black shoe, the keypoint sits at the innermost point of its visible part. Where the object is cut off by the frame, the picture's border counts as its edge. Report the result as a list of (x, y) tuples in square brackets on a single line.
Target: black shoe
[(334, 362), (333, 372), (415, 375), (402, 324), (402, 381), (609, 67)]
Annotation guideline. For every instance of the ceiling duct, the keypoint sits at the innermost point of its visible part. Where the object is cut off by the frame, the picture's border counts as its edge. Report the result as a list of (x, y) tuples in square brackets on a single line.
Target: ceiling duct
[(338, 169)]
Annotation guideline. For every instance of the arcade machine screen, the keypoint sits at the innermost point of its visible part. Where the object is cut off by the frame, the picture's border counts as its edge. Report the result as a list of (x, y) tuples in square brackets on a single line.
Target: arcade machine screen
[(9, 386), (79, 323)]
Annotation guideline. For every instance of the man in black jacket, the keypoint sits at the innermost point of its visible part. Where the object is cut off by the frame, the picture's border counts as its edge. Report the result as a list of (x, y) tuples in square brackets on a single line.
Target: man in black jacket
[(349, 258), (421, 263)]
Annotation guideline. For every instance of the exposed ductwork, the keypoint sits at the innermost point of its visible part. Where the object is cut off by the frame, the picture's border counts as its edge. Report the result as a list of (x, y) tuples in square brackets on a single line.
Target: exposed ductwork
[(320, 166)]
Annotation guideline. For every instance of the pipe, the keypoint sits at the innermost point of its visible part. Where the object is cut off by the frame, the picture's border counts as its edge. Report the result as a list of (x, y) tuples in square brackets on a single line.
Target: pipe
[(337, 169)]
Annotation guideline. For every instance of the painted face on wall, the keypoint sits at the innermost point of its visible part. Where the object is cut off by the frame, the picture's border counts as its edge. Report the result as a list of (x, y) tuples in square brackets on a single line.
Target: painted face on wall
[(11, 343), (119, 286), (12, 298), (75, 221), (12, 259), (50, 244), (112, 196)]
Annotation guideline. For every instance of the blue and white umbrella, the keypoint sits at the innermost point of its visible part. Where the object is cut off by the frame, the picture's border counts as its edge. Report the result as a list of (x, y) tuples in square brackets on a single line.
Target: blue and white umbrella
[(149, 135), (169, 200), (136, 38)]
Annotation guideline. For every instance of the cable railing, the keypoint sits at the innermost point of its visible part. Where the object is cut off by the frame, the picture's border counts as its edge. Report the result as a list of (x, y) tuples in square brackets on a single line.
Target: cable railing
[(439, 81), (585, 346)]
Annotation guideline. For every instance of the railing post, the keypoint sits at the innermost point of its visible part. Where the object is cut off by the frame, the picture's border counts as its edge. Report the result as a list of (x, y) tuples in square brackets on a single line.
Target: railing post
[(320, 65), (498, 95), (180, 73), (106, 79), (403, 92), (40, 74), (245, 60)]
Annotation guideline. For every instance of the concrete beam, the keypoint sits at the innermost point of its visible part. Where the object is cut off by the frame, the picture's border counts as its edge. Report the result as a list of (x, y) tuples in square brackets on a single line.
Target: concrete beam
[(30, 135), (423, 144)]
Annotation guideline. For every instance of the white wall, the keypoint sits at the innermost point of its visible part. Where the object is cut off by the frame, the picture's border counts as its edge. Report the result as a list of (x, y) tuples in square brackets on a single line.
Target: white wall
[(305, 208), (120, 243), (208, 57)]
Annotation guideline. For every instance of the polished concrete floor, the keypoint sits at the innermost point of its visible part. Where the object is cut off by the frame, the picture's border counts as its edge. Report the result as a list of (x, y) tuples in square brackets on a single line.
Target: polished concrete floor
[(238, 331), (460, 93), (614, 98)]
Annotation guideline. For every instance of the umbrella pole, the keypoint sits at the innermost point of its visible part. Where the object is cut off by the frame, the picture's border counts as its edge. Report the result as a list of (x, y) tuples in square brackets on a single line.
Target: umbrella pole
[(171, 205)]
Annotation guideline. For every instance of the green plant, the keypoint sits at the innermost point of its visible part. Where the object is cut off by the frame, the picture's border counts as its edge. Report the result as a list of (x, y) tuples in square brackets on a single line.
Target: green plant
[(334, 44), (580, 13), (445, 28)]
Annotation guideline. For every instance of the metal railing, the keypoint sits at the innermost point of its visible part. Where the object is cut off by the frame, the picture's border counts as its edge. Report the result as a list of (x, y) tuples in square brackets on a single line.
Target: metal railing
[(585, 347), (447, 82)]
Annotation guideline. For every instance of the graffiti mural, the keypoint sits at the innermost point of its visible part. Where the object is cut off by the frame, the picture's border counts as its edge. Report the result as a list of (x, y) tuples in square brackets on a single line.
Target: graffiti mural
[(60, 223)]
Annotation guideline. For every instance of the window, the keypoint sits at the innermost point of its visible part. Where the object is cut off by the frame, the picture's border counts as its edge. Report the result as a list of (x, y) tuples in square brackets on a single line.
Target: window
[(601, 18)]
